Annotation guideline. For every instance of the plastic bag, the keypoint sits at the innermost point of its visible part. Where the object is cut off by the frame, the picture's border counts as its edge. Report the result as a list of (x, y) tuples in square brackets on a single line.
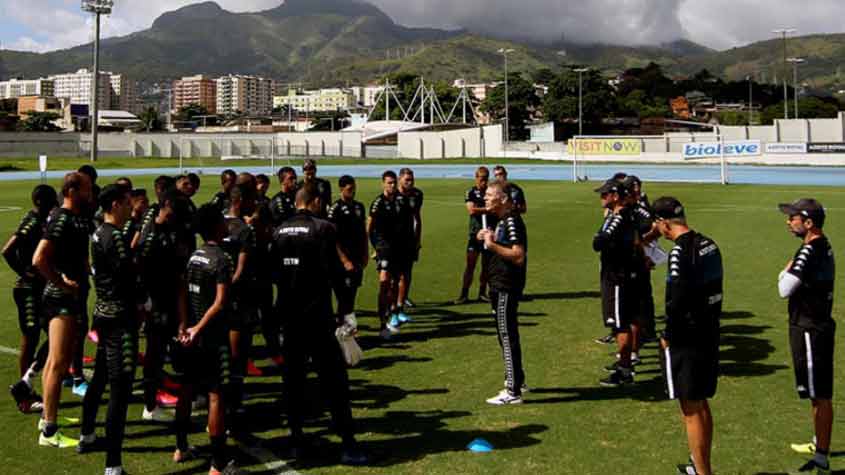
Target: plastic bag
[(349, 347)]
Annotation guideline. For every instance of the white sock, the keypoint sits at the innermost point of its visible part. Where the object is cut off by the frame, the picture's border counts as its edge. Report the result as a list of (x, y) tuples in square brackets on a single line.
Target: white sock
[(114, 471), (634, 355), (814, 440), (87, 439), (27, 377)]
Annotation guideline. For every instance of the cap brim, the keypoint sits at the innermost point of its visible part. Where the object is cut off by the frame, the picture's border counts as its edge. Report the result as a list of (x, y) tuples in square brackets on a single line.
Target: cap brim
[(788, 209)]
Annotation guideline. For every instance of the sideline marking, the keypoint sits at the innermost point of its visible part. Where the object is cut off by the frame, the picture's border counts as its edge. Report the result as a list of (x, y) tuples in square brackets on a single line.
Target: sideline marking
[(4, 209), (8, 351)]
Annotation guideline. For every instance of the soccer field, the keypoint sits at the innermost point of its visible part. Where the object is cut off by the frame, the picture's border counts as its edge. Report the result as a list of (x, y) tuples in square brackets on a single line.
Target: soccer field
[(419, 400)]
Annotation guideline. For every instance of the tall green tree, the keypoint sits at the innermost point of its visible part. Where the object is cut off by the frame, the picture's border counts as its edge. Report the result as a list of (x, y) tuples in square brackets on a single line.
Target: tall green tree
[(808, 108), (39, 122), (191, 112), (522, 100), (150, 119), (561, 102)]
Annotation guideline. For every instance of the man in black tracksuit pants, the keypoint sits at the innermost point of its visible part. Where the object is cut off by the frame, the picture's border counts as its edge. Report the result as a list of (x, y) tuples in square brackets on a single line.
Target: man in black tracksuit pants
[(116, 324), (507, 247), (305, 255)]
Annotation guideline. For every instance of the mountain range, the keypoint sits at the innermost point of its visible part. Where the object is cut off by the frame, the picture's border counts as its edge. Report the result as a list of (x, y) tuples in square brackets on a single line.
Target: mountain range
[(334, 42)]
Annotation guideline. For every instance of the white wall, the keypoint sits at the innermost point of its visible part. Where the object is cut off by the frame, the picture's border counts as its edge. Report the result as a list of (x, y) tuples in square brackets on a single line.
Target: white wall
[(469, 142)]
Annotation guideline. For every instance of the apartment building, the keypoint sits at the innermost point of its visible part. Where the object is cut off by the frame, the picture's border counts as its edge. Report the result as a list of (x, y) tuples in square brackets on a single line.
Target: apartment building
[(199, 89), (77, 87), (244, 95), (26, 87)]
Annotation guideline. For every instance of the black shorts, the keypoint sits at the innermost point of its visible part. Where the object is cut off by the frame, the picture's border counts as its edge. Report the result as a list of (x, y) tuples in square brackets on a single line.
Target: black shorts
[(242, 314), (66, 305), (812, 359), (394, 262), (618, 305), (118, 338), (349, 280), (163, 317), (29, 302), (474, 245), (691, 372), (207, 364)]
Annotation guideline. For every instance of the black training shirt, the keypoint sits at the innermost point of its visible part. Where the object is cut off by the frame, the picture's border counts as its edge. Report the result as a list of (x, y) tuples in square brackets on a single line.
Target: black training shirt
[(387, 222), (69, 234), (283, 207), (616, 241), (305, 253), (810, 306), (241, 238), (114, 274), (207, 267), (28, 235), (159, 259), (350, 221), (476, 197), (694, 291), (324, 190), (503, 274)]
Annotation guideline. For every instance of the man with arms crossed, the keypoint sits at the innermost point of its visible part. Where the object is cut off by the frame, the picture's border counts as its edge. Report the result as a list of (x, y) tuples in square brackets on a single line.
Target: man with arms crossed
[(691, 340), (508, 247), (350, 218), (807, 281), (62, 260), (410, 199)]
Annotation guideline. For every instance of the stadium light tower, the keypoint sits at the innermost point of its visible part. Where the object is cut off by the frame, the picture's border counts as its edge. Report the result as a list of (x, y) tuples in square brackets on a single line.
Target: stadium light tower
[(795, 62), (505, 52), (784, 32), (97, 7), (580, 72)]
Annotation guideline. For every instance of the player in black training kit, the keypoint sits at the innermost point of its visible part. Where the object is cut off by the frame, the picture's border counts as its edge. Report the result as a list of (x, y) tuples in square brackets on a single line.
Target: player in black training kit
[(642, 324), (383, 228), (507, 246), (203, 333), (62, 260), (283, 204), (350, 218), (116, 323), (690, 341), (305, 251), (324, 188), (262, 186), (512, 189), (616, 241), (239, 245), (474, 200), (221, 198), (162, 268), (28, 292), (410, 199), (808, 282)]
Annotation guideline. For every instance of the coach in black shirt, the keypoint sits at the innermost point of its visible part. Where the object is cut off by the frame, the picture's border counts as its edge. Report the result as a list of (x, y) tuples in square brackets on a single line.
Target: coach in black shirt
[(324, 188), (691, 340), (283, 203), (508, 247), (808, 283), (305, 253)]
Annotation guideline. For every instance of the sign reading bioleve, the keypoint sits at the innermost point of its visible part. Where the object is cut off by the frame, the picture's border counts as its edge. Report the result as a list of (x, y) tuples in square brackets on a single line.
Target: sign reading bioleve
[(750, 148)]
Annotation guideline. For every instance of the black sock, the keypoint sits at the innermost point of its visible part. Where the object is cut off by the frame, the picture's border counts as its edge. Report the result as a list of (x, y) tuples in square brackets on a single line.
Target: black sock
[(182, 428), (50, 429), (218, 451)]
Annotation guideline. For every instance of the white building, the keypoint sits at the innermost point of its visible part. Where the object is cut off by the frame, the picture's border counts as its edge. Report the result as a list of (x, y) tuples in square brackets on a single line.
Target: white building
[(366, 96), (26, 87), (478, 91), (77, 87), (244, 95), (322, 100)]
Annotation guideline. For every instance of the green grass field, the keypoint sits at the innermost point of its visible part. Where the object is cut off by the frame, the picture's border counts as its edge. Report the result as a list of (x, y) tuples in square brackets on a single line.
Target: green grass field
[(419, 400)]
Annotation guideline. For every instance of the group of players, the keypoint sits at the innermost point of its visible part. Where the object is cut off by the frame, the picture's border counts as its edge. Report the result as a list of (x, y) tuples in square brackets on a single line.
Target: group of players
[(198, 306), (689, 344)]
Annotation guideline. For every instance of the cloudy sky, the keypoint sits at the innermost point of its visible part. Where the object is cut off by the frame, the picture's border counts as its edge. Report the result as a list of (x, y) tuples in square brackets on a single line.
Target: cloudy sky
[(44, 25)]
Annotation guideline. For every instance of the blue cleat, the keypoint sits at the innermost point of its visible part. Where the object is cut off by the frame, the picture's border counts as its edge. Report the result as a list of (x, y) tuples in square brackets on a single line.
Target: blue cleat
[(394, 321), (80, 389), (403, 317)]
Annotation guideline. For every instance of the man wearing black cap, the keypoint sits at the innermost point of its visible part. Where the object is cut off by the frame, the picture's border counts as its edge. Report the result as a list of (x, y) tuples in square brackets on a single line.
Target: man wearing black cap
[(616, 242), (691, 340), (808, 281), (324, 188), (283, 203)]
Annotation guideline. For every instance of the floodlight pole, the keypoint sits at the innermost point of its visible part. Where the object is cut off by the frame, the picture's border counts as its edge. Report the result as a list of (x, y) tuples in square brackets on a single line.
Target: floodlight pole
[(505, 53), (783, 32), (580, 72), (750, 100), (97, 7), (795, 62)]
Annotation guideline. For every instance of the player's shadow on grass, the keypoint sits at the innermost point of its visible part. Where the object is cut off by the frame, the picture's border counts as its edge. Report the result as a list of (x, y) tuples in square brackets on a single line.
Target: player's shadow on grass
[(588, 294), (741, 351), (650, 390), (412, 436)]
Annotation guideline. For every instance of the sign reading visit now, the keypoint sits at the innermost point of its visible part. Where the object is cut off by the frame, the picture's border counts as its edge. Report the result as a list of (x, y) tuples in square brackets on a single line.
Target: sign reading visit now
[(749, 148), (605, 146)]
